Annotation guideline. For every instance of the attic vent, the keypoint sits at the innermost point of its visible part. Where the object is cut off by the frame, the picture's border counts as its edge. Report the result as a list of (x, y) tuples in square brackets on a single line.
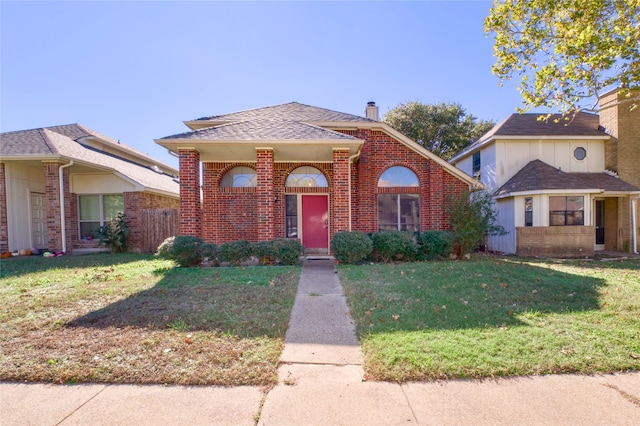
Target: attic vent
[(156, 169), (611, 173)]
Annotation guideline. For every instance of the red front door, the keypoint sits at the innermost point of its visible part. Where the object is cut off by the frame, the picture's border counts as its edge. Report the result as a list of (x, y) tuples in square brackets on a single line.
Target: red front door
[(315, 222)]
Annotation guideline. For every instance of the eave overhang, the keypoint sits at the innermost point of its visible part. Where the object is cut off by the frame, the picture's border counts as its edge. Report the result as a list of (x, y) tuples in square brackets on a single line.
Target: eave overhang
[(237, 151)]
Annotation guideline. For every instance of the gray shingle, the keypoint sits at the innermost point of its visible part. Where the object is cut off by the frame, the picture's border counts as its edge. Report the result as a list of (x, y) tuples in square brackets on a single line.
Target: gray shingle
[(538, 175), (264, 129), (57, 141), (292, 111)]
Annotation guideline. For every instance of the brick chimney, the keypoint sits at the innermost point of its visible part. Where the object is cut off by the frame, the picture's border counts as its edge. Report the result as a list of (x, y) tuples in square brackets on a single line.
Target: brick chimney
[(371, 112)]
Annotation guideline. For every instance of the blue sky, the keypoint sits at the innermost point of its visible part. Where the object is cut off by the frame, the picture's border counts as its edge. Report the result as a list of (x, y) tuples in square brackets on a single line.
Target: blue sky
[(136, 70)]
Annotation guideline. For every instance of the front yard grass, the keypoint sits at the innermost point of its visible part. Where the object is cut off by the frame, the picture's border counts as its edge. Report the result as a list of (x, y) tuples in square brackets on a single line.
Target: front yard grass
[(136, 319), (493, 316)]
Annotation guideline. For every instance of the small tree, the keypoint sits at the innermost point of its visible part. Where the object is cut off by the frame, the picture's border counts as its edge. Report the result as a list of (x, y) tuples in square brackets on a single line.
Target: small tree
[(472, 217), (115, 234)]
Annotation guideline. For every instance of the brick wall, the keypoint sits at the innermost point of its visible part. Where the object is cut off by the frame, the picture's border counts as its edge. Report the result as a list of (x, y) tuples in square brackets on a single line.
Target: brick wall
[(52, 190), (256, 214), (265, 194), (555, 241), (190, 205), (381, 152), (339, 205), (4, 227)]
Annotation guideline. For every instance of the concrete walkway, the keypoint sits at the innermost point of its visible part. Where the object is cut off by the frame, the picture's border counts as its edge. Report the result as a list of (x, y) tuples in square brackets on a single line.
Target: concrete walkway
[(321, 383)]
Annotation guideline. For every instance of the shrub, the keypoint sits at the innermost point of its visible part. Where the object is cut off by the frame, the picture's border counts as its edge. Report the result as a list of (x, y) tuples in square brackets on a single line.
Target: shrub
[(472, 217), (389, 246), (435, 244), (209, 252), (184, 250), (115, 234), (288, 250), (282, 250), (234, 252), (264, 251), (351, 247)]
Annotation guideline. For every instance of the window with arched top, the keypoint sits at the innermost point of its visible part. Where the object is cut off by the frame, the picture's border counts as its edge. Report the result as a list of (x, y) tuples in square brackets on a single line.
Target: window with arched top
[(306, 177), (240, 177), (398, 176), (398, 211)]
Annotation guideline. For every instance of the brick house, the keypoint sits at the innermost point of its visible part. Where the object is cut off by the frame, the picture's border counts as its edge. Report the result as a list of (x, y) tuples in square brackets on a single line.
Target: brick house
[(95, 176), (562, 187), (299, 171)]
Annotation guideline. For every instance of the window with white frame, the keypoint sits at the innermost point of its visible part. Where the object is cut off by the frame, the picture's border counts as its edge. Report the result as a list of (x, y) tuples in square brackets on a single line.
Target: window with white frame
[(399, 211), (96, 210), (240, 177), (306, 177)]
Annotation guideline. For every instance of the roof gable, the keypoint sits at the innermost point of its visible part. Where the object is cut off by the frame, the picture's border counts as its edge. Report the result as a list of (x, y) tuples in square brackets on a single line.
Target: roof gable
[(583, 124)]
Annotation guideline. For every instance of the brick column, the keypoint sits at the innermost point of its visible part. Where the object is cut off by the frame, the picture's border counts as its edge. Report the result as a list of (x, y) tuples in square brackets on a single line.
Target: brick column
[(4, 226), (190, 209), (209, 203), (265, 194), (340, 191), (52, 190), (435, 194)]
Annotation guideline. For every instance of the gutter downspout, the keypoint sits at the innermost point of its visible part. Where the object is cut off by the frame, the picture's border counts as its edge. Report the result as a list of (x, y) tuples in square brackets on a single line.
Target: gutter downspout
[(63, 227), (634, 233)]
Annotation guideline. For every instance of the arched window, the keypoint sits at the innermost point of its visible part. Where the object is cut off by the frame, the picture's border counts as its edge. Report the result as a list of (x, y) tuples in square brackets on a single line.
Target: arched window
[(306, 176), (398, 211), (240, 177), (398, 176)]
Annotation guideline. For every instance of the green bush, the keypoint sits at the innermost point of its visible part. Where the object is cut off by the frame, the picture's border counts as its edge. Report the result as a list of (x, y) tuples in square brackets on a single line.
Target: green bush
[(288, 250), (235, 252), (435, 244), (264, 251), (184, 250), (391, 246), (209, 252), (351, 246), (281, 250)]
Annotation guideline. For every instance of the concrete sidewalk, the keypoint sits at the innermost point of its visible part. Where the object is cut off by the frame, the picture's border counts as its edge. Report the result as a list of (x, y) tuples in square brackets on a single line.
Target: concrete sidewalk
[(321, 383)]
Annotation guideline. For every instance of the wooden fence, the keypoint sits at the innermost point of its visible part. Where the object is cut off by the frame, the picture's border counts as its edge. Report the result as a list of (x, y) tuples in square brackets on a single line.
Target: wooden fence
[(156, 225)]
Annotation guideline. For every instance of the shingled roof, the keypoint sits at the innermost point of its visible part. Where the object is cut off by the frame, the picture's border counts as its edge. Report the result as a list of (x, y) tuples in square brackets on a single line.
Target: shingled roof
[(264, 129), (64, 142), (291, 121), (538, 175), (292, 111), (583, 124)]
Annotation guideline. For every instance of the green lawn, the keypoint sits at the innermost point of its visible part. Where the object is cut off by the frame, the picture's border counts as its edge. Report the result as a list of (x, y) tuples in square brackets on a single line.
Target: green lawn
[(136, 319), (494, 316)]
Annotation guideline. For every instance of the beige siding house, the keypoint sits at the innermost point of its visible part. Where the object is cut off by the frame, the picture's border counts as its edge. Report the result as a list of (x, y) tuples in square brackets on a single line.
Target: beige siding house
[(567, 186), (93, 175)]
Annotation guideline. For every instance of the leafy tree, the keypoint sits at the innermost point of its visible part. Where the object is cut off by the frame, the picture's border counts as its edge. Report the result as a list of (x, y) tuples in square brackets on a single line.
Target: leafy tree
[(443, 128), (567, 52), (472, 217)]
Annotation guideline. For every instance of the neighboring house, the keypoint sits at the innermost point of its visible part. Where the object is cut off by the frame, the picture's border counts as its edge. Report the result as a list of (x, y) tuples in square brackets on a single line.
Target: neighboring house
[(299, 171), (562, 187), (96, 176)]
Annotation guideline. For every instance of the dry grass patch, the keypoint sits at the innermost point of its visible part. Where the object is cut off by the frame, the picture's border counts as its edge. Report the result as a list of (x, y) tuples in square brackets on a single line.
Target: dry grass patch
[(136, 319)]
